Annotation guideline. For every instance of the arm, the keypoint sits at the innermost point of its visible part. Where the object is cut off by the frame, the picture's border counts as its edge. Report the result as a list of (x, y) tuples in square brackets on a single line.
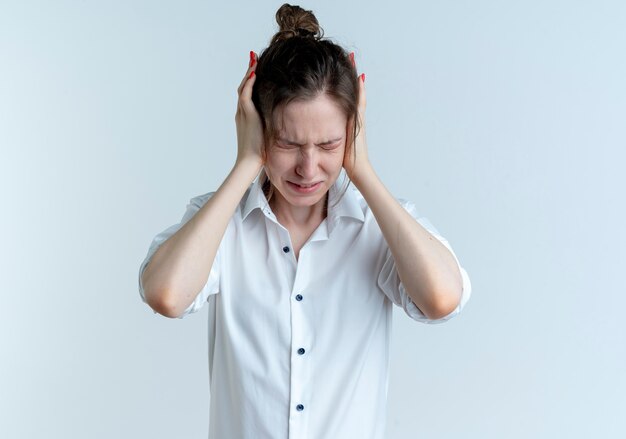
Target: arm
[(425, 266), (181, 265)]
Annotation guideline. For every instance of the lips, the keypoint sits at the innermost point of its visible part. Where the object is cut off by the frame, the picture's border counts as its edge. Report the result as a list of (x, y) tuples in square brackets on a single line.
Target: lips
[(304, 188)]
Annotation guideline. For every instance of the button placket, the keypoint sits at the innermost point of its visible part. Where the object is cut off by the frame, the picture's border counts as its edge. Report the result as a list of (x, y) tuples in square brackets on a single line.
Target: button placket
[(301, 342)]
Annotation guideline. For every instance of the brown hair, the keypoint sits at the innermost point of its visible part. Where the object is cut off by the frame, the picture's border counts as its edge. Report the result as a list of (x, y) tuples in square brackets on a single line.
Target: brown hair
[(300, 64)]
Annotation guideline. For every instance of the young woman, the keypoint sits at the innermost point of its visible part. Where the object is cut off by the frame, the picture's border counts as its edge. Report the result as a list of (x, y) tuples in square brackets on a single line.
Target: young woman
[(301, 254)]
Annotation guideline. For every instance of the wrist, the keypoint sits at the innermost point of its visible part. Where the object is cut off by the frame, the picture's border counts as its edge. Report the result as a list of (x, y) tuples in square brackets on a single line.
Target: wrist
[(248, 167), (361, 172), (249, 162)]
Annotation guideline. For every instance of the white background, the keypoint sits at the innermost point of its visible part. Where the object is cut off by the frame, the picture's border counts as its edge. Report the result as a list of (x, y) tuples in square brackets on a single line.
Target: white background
[(503, 121)]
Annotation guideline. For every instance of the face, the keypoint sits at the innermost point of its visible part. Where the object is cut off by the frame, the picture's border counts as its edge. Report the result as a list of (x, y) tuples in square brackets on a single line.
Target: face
[(306, 159)]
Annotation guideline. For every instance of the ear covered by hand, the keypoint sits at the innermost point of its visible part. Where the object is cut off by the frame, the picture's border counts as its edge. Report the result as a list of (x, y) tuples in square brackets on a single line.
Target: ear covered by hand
[(250, 141), (355, 158)]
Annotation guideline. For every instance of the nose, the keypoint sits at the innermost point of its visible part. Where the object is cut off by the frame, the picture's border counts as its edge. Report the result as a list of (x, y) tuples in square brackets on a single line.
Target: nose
[(307, 163)]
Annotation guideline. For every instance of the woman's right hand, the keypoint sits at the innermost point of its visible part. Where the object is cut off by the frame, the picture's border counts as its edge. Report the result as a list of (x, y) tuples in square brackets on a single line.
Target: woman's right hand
[(250, 142)]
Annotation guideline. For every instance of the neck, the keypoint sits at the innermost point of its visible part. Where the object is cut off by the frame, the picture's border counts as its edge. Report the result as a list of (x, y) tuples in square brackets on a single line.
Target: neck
[(288, 214)]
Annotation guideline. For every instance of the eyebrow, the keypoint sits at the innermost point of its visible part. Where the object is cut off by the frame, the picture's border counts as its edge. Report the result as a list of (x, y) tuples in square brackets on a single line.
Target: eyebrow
[(328, 142)]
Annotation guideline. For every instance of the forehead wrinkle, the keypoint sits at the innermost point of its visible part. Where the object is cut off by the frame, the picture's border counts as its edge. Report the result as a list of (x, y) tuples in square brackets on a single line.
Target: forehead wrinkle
[(299, 121)]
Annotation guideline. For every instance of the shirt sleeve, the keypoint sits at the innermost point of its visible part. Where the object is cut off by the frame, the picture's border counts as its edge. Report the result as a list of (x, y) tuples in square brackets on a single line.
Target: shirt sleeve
[(390, 284), (212, 284)]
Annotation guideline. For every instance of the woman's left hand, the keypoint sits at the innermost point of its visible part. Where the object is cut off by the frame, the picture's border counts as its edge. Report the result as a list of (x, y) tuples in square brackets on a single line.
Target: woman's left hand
[(355, 159)]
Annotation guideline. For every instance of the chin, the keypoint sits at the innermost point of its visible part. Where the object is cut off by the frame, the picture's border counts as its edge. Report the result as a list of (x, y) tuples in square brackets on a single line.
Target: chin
[(304, 199)]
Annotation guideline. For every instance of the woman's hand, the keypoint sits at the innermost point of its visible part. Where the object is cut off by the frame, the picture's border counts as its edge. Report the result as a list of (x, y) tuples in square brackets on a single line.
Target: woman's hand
[(250, 141), (355, 160)]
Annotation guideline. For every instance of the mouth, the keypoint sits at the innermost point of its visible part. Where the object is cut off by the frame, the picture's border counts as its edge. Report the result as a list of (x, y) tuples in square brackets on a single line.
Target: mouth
[(304, 188)]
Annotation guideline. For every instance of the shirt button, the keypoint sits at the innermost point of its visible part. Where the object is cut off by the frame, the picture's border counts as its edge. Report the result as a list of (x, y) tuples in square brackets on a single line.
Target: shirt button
[(298, 298), (286, 249), (299, 407), (301, 351)]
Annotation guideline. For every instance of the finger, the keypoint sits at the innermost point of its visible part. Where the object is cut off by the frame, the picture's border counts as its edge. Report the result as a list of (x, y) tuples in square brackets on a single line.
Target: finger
[(251, 66), (350, 133), (362, 97), (245, 79), (246, 92)]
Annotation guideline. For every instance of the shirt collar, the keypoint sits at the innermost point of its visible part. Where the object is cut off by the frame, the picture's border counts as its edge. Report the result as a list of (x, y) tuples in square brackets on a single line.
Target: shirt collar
[(255, 200), (348, 205)]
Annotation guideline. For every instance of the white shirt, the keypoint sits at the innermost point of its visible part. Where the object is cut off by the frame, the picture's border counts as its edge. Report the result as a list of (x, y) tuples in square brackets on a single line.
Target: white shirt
[(300, 349)]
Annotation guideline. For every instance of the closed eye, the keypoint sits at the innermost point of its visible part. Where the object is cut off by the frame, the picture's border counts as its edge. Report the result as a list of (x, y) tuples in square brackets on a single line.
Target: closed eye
[(330, 146), (290, 144), (286, 145)]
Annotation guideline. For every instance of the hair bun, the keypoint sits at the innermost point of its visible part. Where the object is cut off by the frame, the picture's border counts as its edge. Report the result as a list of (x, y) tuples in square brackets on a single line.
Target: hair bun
[(295, 21)]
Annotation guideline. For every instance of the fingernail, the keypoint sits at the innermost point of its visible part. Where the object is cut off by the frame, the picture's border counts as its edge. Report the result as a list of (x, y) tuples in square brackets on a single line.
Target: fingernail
[(251, 58), (251, 74), (363, 75)]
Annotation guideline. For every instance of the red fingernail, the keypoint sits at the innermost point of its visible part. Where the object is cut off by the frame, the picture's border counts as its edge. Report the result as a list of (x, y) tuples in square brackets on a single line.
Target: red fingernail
[(251, 58), (251, 74), (363, 75)]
